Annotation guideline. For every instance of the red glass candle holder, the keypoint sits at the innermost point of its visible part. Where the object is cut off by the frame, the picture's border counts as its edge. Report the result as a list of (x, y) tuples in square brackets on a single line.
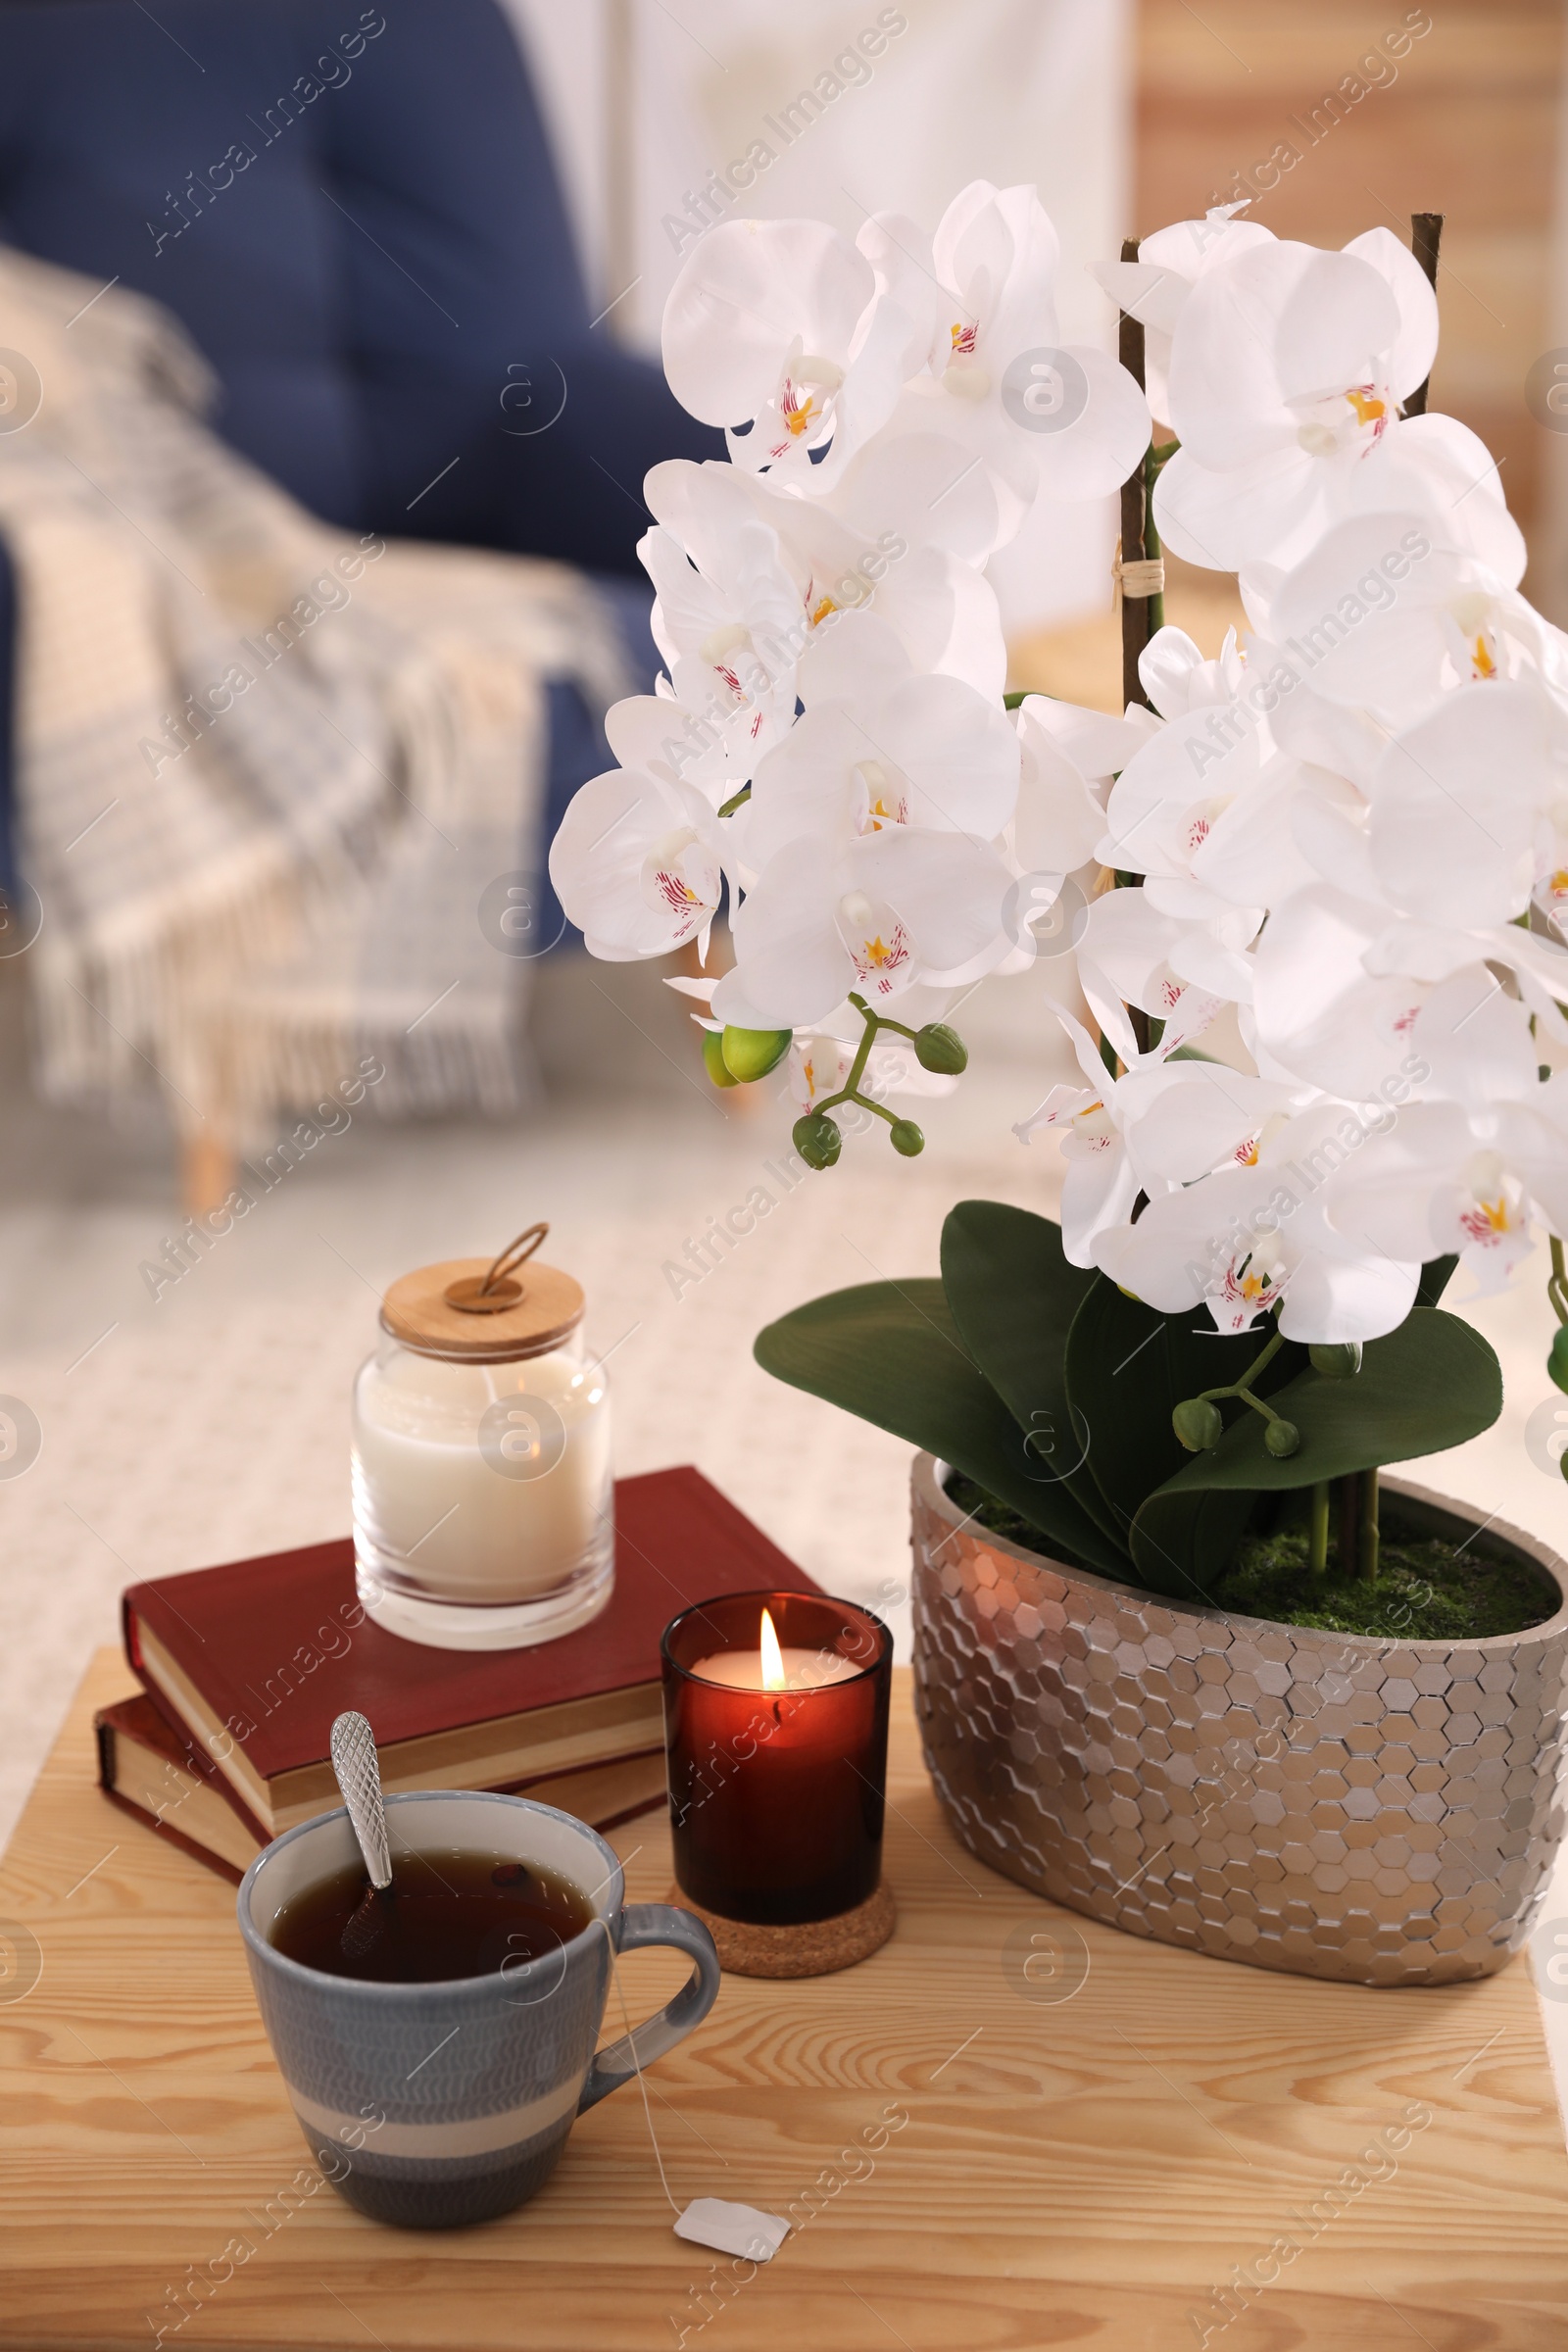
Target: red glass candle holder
[(776, 1796)]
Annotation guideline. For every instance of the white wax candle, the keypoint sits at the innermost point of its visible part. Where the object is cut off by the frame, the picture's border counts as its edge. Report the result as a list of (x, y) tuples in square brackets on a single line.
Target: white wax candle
[(436, 1512), (802, 1669)]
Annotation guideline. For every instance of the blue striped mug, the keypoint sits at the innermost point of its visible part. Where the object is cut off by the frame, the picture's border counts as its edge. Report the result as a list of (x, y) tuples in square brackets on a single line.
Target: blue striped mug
[(440, 2104)]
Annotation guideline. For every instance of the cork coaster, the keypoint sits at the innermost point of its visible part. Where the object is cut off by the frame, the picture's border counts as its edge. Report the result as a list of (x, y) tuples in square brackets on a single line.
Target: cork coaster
[(817, 1947)]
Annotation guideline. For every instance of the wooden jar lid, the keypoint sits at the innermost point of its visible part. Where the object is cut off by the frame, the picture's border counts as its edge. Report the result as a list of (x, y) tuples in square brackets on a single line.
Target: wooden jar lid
[(484, 1310)]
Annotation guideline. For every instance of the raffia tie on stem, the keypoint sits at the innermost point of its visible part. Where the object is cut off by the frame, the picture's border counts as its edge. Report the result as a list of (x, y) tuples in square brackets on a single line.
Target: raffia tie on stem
[(1143, 577)]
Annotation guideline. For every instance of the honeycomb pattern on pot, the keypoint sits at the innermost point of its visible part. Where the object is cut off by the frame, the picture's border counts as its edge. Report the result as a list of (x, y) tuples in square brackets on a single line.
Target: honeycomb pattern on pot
[(1379, 1811)]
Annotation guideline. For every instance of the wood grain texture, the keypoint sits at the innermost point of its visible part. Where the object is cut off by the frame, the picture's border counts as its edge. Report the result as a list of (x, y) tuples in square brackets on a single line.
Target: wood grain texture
[(1081, 2172)]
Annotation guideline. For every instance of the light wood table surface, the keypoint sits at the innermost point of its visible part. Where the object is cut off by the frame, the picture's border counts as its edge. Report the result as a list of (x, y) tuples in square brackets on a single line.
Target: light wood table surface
[(1082, 2172)]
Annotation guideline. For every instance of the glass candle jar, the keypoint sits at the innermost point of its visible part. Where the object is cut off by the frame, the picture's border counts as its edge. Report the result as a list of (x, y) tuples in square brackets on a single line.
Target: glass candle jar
[(483, 1504), (777, 1758)]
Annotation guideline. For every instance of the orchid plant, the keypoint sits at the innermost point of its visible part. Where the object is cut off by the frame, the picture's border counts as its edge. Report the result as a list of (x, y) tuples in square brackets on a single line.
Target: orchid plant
[(1321, 979)]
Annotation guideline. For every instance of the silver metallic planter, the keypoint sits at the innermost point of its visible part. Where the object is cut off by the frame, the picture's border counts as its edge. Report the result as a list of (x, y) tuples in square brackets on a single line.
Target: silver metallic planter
[(1341, 1806)]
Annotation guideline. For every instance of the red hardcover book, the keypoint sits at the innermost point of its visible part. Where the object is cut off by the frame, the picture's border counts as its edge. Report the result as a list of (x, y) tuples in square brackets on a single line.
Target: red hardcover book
[(152, 1769), (254, 1661)]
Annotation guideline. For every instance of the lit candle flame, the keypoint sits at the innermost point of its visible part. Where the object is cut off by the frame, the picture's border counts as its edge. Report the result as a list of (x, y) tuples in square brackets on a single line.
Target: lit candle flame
[(773, 1676)]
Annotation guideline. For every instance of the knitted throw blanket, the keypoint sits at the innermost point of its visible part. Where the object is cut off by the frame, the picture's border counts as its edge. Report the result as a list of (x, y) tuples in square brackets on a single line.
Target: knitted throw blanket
[(265, 773)]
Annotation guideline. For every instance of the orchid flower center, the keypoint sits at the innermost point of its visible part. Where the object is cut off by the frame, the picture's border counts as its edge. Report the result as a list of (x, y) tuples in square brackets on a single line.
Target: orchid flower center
[(1092, 1127), (1550, 891), (680, 875), (1249, 1151), (1201, 820), (962, 374), (879, 798), (878, 944), (1473, 616), (730, 637), (823, 1068), (797, 404), (1254, 1280), (1327, 429), (1491, 1215)]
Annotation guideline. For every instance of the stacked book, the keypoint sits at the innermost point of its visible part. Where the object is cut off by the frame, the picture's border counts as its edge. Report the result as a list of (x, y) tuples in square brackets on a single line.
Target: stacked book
[(244, 1668)]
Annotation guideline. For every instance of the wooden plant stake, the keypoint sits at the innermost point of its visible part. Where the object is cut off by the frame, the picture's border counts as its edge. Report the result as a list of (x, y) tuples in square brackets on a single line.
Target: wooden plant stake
[(1425, 231), (1135, 553)]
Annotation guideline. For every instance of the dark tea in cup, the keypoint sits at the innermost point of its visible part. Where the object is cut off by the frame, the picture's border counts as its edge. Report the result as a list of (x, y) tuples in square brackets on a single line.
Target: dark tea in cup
[(448, 1913)]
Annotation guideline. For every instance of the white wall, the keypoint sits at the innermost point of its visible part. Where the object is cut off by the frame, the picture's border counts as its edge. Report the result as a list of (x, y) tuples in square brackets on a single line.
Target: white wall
[(1001, 89)]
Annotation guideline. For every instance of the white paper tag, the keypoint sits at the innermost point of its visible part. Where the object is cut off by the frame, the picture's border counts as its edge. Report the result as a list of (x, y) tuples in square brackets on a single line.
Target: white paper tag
[(732, 2228)]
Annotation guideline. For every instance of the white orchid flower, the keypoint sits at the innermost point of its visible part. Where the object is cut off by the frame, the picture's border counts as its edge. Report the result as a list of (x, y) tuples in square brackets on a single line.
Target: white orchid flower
[(1155, 288), (1467, 1172), (1099, 1185), (1204, 810), (1340, 974), (1177, 678), (1177, 969), (727, 616), (1255, 1238), (1436, 1183), (796, 341), (882, 913), (853, 554), (880, 745), (1161, 1123), (638, 862), (1068, 756), (1287, 371), (1064, 420), (1386, 619), (1470, 808)]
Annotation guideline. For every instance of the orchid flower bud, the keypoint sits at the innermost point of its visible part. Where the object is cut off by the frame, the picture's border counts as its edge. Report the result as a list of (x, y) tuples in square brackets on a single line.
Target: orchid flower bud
[(713, 1062), (817, 1140), (1197, 1423), (750, 1053), (939, 1048)]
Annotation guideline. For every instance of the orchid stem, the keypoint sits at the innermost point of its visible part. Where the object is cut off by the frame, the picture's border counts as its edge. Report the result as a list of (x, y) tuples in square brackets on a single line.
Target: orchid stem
[(1557, 1282), (1318, 1529), (1243, 1387), (1367, 1548), (850, 1092)]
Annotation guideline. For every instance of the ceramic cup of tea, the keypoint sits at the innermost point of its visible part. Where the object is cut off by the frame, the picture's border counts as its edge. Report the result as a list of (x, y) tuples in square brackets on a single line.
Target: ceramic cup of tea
[(434, 2099)]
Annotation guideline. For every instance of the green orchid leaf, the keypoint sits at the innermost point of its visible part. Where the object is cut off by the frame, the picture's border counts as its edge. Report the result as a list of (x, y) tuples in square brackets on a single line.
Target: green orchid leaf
[(1128, 1368), (1430, 1384), (1013, 1296), (890, 1352), (1435, 1276), (1182, 1541)]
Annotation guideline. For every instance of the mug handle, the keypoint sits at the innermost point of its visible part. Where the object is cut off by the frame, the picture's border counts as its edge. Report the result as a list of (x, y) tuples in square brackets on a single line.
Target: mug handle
[(643, 1924)]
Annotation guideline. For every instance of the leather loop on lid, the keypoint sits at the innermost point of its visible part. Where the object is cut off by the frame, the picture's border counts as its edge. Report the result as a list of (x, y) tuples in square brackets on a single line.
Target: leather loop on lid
[(476, 1310), (499, 1287)]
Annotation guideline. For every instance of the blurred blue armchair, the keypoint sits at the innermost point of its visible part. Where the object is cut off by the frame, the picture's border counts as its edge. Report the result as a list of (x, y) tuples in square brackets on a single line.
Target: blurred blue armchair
[(354, 213)]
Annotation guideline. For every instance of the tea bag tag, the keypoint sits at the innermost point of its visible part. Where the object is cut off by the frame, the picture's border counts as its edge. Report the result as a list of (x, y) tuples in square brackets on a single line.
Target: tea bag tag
[(739, 2230)]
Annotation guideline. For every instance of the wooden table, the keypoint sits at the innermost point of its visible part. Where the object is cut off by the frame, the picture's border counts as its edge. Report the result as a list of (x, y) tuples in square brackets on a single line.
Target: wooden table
[(1085, 2171)]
